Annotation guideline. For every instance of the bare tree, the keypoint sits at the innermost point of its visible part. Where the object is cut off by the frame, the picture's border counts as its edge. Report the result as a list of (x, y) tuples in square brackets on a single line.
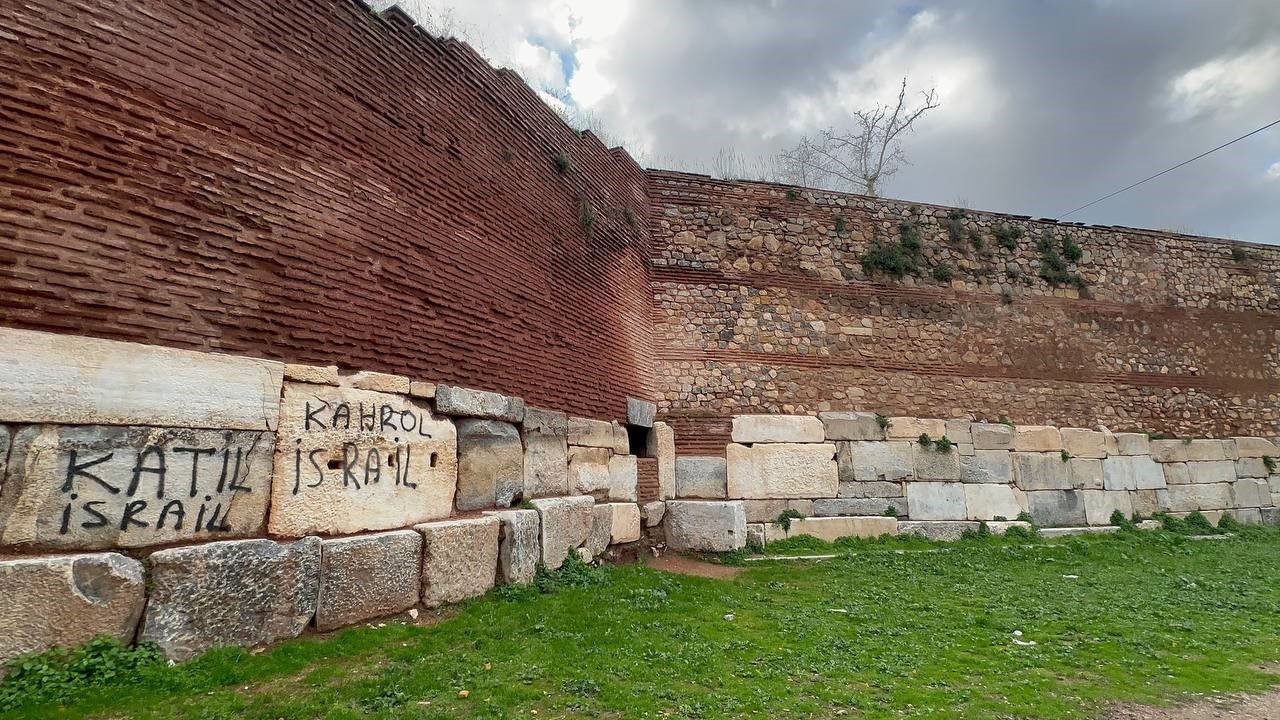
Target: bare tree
[(863, 156)]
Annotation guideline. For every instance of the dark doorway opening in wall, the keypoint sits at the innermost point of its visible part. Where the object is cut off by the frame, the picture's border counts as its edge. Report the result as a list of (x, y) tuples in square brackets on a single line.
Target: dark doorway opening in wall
[(639, 439)]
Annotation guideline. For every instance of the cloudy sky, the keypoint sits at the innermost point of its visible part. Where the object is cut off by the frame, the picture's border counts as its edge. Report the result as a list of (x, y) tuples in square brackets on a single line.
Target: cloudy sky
[(1046, 104)]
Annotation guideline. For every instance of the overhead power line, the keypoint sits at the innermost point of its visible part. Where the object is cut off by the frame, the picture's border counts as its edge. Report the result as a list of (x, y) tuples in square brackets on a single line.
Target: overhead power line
[(1168, 170)]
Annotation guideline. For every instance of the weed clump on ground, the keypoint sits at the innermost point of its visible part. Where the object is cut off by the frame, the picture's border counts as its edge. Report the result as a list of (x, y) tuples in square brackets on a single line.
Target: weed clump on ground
[(57, 674)]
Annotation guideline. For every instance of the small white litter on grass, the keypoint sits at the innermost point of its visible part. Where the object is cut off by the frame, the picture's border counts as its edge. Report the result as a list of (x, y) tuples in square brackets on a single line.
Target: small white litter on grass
[(729, 617), (1071, 577), (839, 610), (1017, 639)]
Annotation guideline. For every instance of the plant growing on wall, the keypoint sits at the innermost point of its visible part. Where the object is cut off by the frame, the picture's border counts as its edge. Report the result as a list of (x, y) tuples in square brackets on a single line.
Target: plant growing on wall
[(943, 444), (924, 440), (975, 239), (955, 226), (563, 162), (587, 216), (786, 516), (942, 273), (839, 223), (888, 259), (1007, 236)]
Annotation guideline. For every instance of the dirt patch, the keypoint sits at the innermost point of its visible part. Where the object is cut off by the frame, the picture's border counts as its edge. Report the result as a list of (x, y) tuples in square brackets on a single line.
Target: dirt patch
[(688, 566), (1255, 707)]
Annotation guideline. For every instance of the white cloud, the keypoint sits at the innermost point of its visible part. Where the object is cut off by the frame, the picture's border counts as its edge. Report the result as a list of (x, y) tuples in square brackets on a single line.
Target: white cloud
[(1273, 172), (1225, 83)]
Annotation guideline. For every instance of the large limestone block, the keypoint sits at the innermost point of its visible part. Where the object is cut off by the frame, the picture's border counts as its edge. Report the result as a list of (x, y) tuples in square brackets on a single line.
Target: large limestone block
[(876, 461), (959, 431), (871, 489), (1255, 447), (701, 477), (566, 523), (984, 501), (464, 402), (653, 512), (777, 429), (764, 511), (936, 500), (1212, 471), (1132, 444), (1087, 473), (992, 436), (625, 524), (1100, 504), (459, 559), (1187, 450), (941, 530), (1057, 508), (1176, 473), (1037, 438), (1246, 516), (519, 546), (380, 382), (624, 475), (782, 470), (1250, 493), (1083, 443), (987, 466), (851, 426), (1041, 471), (314, 374), (1251, 467), (1001, 527), (911, 428), (590, 433), (1199, 496), (72, 380), (662, 445), (66, 600), (854, 507), (705, 525), (621, 439), (589, 471), (931, 464), (834, 528), (601, 525), (1148, 502), (490, 464), (1269, 516), (237, 592), (367, 576), (1132, 472), (546, 453), (95, 486), (352, 460), (641, 413)]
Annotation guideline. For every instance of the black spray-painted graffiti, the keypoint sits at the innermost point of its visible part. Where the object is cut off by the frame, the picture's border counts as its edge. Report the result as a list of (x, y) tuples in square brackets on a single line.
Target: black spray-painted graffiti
[(359, 466)]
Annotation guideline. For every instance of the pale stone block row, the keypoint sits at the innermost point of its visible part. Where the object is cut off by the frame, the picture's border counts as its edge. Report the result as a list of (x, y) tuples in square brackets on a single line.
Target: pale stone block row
[(748, 429), (701, 477), (367, 576), (662, 445), (781, 470), (545, 434), (459, 559), (705, 525)]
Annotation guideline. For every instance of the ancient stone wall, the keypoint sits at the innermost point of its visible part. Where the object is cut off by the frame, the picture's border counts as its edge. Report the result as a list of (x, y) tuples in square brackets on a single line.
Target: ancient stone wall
[(762, 304), (312, 182)]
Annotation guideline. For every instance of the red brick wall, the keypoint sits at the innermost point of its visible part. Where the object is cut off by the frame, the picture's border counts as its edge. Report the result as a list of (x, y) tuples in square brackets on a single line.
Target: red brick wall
[(307, 181)]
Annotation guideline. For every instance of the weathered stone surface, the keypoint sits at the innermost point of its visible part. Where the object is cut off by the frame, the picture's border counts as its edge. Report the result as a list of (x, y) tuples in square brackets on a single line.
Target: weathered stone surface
[(876, 461), (984, 501), (701, 477), (782, 470), (1250, 493), (459, 559), (490, 464), (1057, 532), (800, 505), (1132, 444), (987, 466), (546, 453), (834, 528), (992, 436), (1000, 527), (237, 592), (566, 522), (1255, 447), (621, 440), (757, 535), (314, 374), (96, 486), (705, 525), (623, 476), (1213, 516), (1099, 504), (351, 460), (589, 471), (1083, 443), (911, 428), (625, 526), (1269, 516), (944, 530), (1176, 473), (74, 380), (1057, 508), (830, 507), (422, 389), (367, 576), (1148, 502), (1037, 438), (936, 501), (519, 545), (641, 412), (590, 433), (1213, 471), (1187, 450), (1199, 496), (762, 511), (1251, 467), (931, 464), (1041, 471), (465, 402), (777, 429), (959, 431), (653, 512), (871, 489), (1132, 472), (66, 600), (1087, 473), (662, 445), (380, 382), (851, 426), (601, 524), (1246, 516)]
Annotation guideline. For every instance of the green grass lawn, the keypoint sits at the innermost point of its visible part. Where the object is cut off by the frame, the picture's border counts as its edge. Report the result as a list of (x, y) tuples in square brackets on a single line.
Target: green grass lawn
[(879, 632)]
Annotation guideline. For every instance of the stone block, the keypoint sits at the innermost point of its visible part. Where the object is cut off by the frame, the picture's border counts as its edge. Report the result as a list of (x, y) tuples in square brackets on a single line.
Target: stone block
[(490, 464), (1255, 447), (623, 477), (1001, 527), (566, 523), (1099, 504), (1057, 508), (459, 559), (757, 535), (1246, 516), (701, 477), (763, 511), (422, 389), (801, 505), (465, 402), (367, 576), (625, 526), (380, 382), (1250, 493), (959, 431), (1086, 473), (1187, 450), (1132, 444), (857, 507), (851, 426), (641, 413), (590, 433), (1132, 472), (876, 461), (1037, 438), (936, 501), (777, 429), (1176, 474), (1269, 516), (782, 470), (67, 600), (349, 460), (74, 380), (987, 466), (598, 539), (1251, 467), (621, 440), (589, 471), (1199, 496), (1213, 516), (239, 592), (992, 436), (519, 545), (931, 464), (911, 428), (834, 528), (652, 513), (1148, 502), (1083, 443), (314, 374), (662, 445), (984, 501), (1057, 532), (870, 489), (705, 525), (944, 530), (98, 486), (1212, 471), (1041, 471), (545, 434)]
